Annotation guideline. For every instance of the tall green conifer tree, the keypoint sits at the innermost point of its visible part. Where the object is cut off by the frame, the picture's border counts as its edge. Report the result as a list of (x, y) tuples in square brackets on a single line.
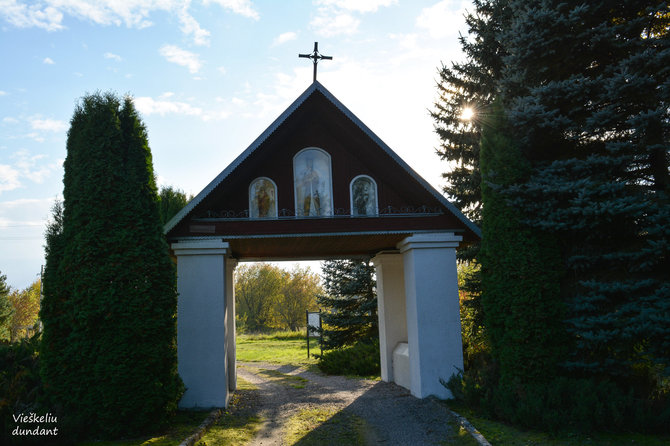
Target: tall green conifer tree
[(587, 88), (108, 355), (171, 200), (521, 274), (586, 91), (469, 84), (351, 301)]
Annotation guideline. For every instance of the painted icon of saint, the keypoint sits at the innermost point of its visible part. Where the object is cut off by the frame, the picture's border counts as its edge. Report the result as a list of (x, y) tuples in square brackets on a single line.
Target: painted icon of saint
[(312, 183), (263, 199), (363, 197)]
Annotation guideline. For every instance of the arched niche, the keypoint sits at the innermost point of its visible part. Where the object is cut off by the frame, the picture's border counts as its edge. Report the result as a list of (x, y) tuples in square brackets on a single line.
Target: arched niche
[(262, 198), (363, 196), (312, 182)]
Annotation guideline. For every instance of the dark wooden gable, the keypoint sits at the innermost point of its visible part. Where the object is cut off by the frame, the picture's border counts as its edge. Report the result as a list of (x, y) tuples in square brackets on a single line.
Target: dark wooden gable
[(406, 202)]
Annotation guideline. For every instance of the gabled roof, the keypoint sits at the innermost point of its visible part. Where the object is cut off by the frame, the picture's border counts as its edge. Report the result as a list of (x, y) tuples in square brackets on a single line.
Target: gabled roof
[(316, 87)]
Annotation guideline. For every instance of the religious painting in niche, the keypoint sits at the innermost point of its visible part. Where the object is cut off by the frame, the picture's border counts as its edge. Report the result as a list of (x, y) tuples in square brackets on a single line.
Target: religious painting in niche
[(263, 198), (363, 196), (313, 183)]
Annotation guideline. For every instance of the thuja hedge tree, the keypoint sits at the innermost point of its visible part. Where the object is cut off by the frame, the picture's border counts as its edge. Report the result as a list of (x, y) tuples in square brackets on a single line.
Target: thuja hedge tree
[(469, 84), (521, 276), (521, 270), (108, 354)]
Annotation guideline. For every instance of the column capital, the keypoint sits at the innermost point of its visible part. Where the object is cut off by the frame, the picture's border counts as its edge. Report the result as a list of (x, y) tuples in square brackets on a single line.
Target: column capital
[(430, 241), (383, 257), (200, 247), (231, 262)]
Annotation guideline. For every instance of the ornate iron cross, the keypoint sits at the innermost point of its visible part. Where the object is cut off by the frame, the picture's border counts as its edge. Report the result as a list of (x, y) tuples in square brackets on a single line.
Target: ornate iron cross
[(315, 56)]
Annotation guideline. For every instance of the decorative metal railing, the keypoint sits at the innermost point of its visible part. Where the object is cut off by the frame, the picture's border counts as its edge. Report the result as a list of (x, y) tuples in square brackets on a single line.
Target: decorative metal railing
[(286, 214)]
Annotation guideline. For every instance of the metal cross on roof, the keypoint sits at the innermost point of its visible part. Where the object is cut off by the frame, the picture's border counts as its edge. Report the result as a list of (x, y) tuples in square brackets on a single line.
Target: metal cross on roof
[(315, 56)]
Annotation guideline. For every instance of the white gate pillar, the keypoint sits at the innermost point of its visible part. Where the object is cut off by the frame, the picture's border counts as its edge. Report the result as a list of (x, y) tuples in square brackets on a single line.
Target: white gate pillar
[(201, 322), (230, 326), (433, 317), (390, 308)]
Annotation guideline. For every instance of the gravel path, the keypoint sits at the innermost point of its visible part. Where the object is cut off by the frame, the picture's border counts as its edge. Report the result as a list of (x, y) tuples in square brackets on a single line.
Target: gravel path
[(395, 417)]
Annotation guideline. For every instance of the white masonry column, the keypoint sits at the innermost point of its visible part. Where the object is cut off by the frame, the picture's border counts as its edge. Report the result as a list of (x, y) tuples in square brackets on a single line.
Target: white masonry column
[(201, 322), (230, 327), (433, 317), (390, 308)]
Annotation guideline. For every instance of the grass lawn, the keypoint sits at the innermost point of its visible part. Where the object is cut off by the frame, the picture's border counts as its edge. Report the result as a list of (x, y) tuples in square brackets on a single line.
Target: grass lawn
[(498, 433), (324, 426), (184, 424), (280, 348), (238, 425)]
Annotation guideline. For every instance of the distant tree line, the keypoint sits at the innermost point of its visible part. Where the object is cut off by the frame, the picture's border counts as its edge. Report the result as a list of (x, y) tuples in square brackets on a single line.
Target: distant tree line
[(564, 163), (268, 297), (171, 200), (19, 310)]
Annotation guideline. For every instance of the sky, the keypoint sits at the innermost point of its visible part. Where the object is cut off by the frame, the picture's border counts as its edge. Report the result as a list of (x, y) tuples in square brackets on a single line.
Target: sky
[(207, 76)]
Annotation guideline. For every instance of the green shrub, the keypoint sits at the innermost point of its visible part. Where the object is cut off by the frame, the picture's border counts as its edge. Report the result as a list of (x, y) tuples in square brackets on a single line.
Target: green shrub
[(20, 383), (361, 359)]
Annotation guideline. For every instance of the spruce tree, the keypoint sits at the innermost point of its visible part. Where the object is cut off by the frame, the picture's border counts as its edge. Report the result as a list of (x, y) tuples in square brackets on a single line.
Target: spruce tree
[(587, 90), (469, 84), (108, 355), (351, 303)]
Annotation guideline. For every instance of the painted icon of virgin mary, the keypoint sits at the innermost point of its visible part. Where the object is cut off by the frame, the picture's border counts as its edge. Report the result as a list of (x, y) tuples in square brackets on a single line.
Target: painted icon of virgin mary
[(311, 169)]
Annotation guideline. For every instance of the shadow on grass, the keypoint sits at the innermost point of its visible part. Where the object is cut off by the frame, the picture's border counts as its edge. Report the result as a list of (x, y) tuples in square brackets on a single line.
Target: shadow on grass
[(284, 379)]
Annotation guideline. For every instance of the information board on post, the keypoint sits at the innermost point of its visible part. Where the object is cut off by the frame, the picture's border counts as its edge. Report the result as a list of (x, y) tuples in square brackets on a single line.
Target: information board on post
[(313, 319)]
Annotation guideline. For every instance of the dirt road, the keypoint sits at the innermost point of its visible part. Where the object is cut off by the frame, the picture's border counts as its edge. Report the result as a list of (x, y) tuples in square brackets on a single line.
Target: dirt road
[(391, 415)]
